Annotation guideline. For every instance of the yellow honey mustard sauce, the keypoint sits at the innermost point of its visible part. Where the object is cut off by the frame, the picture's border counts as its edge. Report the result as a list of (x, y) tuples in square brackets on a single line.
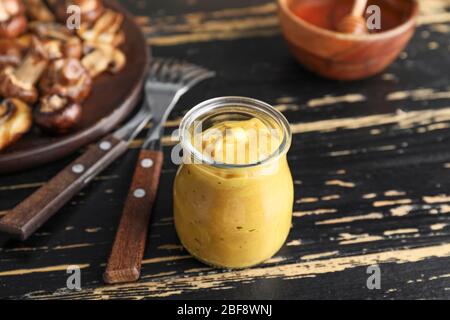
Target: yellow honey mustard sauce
[(234, 208)]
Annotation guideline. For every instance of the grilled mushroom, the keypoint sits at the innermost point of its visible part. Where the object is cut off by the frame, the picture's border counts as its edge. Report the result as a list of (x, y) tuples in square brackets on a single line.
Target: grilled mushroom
[(91, 10), (104, 59), (68, 78), (51, 30), (15, 121), (58, 40), (57, 49), (105, 31), (11, 53), (38, 10), (20, 82), (57, 114), (12, 18)]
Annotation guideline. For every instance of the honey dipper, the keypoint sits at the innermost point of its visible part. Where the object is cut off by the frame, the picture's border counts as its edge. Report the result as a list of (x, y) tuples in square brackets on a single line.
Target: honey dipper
[(355, 23)]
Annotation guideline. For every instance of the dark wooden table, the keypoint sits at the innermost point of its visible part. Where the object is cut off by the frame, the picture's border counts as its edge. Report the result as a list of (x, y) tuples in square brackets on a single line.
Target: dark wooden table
[(370, 160)]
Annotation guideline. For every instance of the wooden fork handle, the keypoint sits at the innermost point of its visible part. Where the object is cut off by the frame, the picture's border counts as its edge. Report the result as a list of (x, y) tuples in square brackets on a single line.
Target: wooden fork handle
[(30, 214), (124, 264)]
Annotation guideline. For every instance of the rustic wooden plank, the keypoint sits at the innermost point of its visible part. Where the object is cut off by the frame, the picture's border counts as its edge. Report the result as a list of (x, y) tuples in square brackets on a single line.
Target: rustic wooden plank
[(244, 22), (370, 160), (172, 285)]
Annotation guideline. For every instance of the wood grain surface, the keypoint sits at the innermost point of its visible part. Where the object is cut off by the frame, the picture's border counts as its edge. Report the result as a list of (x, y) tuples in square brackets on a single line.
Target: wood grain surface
[(370, 160)]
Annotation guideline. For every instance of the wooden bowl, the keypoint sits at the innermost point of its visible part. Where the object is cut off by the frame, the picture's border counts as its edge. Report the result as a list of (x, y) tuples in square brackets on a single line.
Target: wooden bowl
[(308, 27)]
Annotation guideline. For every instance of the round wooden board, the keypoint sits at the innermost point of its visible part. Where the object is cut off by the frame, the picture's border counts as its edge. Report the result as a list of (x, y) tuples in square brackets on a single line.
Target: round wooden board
[(113, 98)]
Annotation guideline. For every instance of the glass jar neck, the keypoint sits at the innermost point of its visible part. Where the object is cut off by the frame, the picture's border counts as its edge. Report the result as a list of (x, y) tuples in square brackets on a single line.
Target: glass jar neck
[(223, 109)]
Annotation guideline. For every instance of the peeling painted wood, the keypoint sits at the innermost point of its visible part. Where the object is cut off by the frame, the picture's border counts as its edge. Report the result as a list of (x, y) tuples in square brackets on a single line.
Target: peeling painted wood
[(369, 160), (177, 285)]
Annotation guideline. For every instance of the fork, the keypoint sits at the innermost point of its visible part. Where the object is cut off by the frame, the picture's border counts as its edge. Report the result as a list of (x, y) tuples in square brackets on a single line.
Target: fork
[(169, 80)]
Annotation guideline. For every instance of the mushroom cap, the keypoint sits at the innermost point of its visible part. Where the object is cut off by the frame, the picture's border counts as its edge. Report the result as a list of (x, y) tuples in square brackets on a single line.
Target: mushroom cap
[(105, 31), (11, 53), (12, 18), (57, 49), (104, 58), (59, 41), (11, 8), (7, 110), (91, 10), (57, 114), (11, 86), (13, 27), (67, 77), (38, 10), (73, 48), (47, 29), (15, 121)]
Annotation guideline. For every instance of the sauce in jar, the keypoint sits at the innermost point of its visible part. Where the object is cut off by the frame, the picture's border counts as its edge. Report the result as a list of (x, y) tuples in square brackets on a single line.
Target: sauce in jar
[(233, 195)]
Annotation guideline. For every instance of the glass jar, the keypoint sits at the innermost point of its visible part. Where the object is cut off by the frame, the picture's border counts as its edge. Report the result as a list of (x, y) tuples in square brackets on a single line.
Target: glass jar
[(230, 213)]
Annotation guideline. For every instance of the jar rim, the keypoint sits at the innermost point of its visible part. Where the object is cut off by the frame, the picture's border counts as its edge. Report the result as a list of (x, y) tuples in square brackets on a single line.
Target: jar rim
[(218, 103)]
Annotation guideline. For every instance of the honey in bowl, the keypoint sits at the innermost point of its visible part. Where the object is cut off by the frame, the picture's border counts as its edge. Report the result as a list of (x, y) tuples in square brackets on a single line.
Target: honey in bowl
[(327, 14), (309, 27)]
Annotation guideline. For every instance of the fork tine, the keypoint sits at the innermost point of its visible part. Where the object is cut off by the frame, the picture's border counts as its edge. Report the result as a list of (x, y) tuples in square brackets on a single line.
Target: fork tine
[(188, 76), (155, 68), (200, 77), (166, 70), (177, 72), (187, 69)]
